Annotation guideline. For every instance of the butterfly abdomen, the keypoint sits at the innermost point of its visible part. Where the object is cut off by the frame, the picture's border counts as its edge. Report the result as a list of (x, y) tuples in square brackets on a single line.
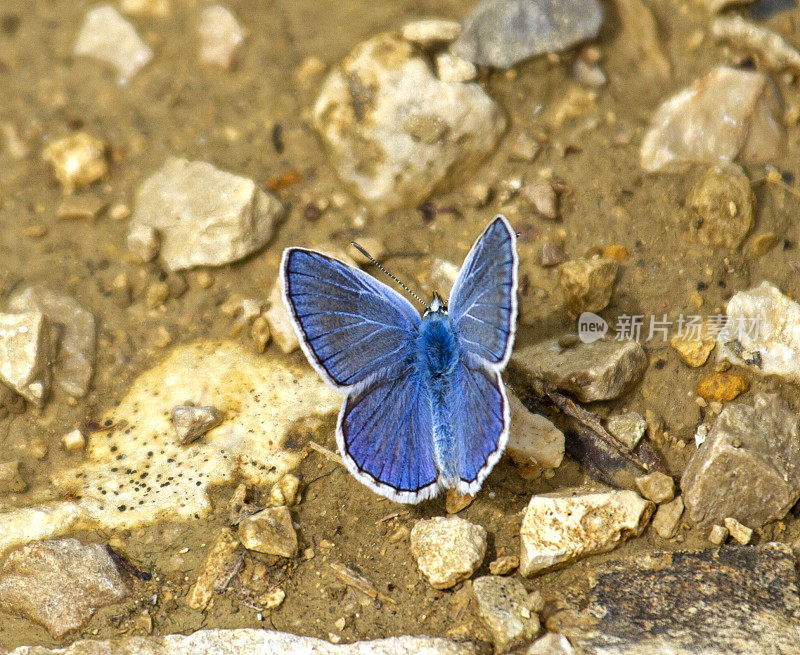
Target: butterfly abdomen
[(437, 357)]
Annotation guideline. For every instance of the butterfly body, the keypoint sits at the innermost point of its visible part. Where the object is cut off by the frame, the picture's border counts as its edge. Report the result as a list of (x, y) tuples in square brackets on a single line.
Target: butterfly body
[(425, 408)]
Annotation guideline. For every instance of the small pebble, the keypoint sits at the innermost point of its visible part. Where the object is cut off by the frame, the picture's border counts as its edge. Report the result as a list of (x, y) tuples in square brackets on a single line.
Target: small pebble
[(504, 565), (192, 422), (763, 243), (739, 533), (10, 479), (722, 387), (156, 295), (74, 441), (259, 333), (718, 535), (656, 486), (448, 550), (310, 71), (455, 502), (144, 242), (270, 531), (119, 212), (77, 160), (286, 491), (204, 279), (450, 68), (668, 517), (524, 148), (431, 31), (542, 197), (82, 207), (220, 36)]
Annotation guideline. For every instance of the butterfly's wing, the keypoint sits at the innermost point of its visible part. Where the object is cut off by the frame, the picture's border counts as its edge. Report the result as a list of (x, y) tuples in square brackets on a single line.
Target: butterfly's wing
[(385, 435), (483, 303), (480, 422), (483, 308), (351, 327)]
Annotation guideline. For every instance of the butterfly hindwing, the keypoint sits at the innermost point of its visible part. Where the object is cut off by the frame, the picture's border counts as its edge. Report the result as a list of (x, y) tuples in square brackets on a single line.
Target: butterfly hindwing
[(483, 302), (480, 424), (350, 325), (385, 435)]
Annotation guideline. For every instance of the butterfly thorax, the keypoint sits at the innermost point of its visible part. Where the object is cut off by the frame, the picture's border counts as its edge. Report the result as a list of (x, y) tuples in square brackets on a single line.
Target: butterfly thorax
[(437, 348)]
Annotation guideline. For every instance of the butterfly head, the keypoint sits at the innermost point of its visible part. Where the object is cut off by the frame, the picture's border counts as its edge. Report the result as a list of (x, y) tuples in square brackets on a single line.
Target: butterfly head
[(438, 306)]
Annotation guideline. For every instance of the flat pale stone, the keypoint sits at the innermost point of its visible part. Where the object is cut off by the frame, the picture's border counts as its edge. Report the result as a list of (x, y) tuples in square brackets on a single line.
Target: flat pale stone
[(254, 641), (448, 550), (60, 583), (721, 206), (26, 350), (74, 363), (264, 400), (429, 31), (563, 526), (107, 36), (729, 114), (394, 132), (600, 370), (204, 216)]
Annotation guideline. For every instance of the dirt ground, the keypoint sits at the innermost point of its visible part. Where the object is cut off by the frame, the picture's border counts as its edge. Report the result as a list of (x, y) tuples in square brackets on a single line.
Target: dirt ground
[(176, 106)]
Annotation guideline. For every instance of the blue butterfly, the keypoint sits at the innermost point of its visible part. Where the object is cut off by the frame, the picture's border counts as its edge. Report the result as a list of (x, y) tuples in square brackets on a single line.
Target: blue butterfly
[(425, 408)]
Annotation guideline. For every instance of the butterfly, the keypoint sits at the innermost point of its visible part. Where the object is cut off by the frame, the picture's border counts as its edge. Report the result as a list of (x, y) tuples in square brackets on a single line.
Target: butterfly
[(425, 408)]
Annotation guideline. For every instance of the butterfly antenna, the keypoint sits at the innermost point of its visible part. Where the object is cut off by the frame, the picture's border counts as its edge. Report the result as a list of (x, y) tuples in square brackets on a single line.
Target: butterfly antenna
[(374, 261)]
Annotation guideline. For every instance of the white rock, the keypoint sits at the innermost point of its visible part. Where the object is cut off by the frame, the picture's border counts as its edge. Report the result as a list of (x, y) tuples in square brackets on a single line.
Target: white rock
[(450, 68), (718, 534), (728, 114), (74, 363), (447, 550), (254, 641), (656, 486), (220, 36), (534, 443), (280, 325), (205, 216), (263, 404), (430, 31), (628, 428), (566, 525), (762, 332), (107, 36), (394, 132), (26, 351)]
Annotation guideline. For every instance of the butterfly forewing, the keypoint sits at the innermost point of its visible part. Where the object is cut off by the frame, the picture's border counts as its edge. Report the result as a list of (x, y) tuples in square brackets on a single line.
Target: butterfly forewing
[(483, 303), (350, 325)]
